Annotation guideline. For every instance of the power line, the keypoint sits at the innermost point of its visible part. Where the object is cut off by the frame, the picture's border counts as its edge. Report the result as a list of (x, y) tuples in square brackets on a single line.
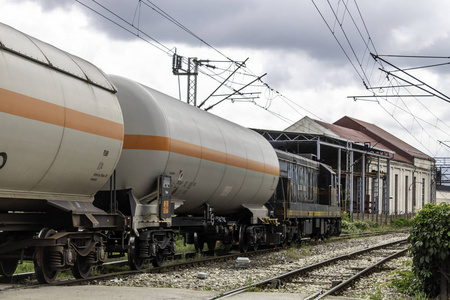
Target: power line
[(414, 56), (360, 60), (339, 43), (174, 21), (435, 91), (158, 45), (140, 33), (406, 129)]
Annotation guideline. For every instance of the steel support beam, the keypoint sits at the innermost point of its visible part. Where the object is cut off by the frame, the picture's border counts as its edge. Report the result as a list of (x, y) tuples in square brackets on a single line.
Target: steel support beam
[(388, 187), (339, 177), (363, 196)]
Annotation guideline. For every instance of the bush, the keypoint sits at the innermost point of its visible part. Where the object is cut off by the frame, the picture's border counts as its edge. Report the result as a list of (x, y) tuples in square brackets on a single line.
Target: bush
[(408, 284), (401, 222), (372, 224), (361, 225), (357, 226), (345, 216), (430, 245), (347, 226)]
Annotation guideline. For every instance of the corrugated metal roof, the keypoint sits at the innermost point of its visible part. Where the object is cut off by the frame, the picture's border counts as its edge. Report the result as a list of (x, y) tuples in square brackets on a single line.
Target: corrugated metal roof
[(401, 148), (362, 132), (361, 137)]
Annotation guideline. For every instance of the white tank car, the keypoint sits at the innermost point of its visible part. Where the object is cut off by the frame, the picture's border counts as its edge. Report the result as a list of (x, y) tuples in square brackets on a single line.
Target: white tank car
[(61, 127), (209, 159)]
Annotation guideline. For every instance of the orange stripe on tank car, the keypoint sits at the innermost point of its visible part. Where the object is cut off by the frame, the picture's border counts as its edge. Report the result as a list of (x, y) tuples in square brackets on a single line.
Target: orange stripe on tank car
[(214, 155), (31, 108), (256, 166), (92, 124), (272, 170), (146, 142), (39, 110), (180, 147), (150, 142), (237, 161)]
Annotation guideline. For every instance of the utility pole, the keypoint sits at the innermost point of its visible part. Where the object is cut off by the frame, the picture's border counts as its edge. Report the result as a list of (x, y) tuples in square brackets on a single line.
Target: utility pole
[(192, 81), (189, 67), (191, 71)]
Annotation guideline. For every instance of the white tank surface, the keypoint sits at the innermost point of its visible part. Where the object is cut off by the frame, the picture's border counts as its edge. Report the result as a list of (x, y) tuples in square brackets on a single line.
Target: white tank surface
[(61, 126), (209, 159)]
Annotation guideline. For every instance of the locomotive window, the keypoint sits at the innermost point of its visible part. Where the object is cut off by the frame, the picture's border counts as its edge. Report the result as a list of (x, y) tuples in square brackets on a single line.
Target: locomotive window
[(283, 166), (309, 184)]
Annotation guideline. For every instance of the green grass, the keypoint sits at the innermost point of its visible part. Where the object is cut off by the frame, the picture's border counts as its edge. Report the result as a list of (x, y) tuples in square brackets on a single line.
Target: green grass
[(349, 227)]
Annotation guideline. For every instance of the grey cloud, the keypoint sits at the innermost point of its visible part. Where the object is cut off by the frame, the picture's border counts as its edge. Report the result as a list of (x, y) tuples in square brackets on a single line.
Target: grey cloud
[(399, 27)]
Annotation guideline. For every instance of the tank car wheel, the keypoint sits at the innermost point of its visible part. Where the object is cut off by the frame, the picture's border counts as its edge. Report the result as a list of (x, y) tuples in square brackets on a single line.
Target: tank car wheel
[(243, 246), (158, 260), (199, 243), (134, 261), (211, 246), (42, 260), (8, 267), (255, 246), (82, 268)]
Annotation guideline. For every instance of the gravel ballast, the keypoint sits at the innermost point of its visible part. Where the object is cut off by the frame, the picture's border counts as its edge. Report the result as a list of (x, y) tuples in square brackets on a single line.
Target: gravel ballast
[(224, 276)]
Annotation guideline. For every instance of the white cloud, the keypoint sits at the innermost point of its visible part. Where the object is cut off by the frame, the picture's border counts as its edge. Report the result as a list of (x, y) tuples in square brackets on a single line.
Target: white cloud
[(289, 41)]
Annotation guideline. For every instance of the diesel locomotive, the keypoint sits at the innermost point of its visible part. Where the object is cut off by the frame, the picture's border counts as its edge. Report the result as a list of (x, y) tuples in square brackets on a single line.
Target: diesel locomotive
[(95, 166)]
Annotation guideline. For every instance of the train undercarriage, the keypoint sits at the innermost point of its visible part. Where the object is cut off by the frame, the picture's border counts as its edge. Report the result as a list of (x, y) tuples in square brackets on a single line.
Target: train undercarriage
[(246, 236), (115, 225)]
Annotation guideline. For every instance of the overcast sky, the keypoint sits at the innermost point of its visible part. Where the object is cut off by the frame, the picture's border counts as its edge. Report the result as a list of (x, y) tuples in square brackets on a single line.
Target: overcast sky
[(291, 41)]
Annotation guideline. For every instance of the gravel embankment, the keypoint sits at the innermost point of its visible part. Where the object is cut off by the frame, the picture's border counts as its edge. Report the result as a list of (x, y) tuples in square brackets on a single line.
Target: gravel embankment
[(378, 283), (223, 276)]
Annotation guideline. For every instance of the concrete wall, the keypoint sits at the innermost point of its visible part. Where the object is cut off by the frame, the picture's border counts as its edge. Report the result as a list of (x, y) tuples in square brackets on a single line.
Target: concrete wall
[(381, 218), (442, 196), (410, 186)]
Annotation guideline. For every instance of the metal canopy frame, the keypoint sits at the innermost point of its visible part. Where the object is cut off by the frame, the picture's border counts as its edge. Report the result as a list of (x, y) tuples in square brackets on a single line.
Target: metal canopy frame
[(290, 140)]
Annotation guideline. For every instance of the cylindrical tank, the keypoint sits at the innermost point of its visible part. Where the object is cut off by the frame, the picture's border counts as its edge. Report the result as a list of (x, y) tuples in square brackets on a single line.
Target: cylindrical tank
[(210, 160), (61, 126)]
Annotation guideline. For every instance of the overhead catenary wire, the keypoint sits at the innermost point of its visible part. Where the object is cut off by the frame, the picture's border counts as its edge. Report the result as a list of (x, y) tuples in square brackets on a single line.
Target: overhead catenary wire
[(174, 21), (435, 91), (447, 133), (406, 129), (154, 42), (343, 18), (362, 77), (135, 24), (361, 67)]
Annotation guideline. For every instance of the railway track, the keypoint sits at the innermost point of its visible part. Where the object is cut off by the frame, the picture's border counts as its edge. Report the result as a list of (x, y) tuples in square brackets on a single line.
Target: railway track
[(21, 277), (369, 233), (324, 272), (173, 265)]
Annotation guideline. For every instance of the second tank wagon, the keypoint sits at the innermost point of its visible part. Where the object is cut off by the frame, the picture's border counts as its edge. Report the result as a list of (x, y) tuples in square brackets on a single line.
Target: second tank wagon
[(210, 160)]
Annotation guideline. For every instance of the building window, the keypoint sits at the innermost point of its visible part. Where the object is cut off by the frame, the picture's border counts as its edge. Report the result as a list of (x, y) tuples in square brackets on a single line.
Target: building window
[(396, 193), (423, 192), (406, 194), (414, 193)]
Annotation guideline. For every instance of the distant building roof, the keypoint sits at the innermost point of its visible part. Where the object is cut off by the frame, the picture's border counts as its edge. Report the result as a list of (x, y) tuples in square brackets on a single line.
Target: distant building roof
[(400, 147), (360, 132)]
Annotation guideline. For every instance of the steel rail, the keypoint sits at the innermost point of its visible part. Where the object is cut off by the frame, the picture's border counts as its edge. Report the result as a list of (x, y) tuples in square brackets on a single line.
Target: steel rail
[(303, 269), (165, 268), (30, 275), (355, 277)]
